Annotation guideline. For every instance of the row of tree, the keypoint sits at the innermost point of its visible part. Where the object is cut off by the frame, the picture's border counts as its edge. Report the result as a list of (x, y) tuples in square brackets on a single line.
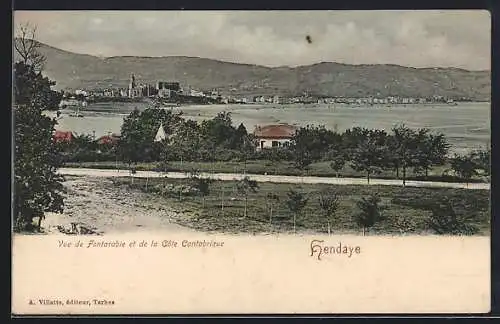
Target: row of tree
[(365, 150), (444, 218), (372, 151), (186, 140)]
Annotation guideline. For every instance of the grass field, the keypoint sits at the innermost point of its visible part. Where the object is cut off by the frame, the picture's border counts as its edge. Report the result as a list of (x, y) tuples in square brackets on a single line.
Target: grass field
[(321, 169), (405, 209)]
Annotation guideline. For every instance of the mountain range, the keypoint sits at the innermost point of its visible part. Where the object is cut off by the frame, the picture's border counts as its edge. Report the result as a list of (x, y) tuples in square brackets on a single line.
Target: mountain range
[(82, 71)]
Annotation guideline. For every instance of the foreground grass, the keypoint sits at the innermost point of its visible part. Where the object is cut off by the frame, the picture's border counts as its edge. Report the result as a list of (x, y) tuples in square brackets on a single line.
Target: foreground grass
[(321, 169), (405, 209)]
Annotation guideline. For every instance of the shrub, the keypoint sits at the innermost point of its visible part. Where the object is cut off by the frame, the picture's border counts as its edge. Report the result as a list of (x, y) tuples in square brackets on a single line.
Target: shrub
[(445, 220), (369, 212)]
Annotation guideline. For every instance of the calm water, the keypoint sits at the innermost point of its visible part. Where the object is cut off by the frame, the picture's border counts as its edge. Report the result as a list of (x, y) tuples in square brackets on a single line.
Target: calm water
[(467, 125)]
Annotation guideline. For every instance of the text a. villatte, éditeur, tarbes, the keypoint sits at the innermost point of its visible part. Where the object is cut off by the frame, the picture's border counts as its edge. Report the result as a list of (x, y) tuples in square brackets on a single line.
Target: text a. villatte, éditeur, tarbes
[(71, 301), (319, 248)]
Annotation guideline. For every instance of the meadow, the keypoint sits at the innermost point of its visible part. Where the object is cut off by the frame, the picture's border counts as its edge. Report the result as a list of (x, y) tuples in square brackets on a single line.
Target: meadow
[(405, 210)]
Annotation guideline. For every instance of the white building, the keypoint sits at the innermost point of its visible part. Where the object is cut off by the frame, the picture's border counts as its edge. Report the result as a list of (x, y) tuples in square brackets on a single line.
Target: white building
[(81, 92), (270, 136), (160, 134), (195, 93)]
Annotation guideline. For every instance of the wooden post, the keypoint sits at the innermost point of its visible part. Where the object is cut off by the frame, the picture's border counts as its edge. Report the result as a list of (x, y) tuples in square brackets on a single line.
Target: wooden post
[(222, 199)]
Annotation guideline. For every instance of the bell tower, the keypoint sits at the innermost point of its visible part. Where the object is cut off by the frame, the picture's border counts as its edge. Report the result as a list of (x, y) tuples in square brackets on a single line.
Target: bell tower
[(131, 85)]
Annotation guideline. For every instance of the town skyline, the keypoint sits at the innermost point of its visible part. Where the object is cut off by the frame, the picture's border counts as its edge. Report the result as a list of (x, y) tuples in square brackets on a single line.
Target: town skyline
[(275, 38)]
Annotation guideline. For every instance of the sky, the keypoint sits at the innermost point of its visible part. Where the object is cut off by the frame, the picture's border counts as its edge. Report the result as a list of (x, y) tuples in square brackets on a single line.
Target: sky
[(449, 38)]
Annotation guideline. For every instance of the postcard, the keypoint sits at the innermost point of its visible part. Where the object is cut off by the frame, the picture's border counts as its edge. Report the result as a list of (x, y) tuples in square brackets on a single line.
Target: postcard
[(251, 162)]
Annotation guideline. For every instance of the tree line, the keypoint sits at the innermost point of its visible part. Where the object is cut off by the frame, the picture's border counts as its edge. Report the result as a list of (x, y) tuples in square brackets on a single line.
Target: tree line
[(369, 151)]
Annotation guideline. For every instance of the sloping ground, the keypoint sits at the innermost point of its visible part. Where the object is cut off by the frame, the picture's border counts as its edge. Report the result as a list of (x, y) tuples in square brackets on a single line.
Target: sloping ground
[(71, 70), (99, 205)]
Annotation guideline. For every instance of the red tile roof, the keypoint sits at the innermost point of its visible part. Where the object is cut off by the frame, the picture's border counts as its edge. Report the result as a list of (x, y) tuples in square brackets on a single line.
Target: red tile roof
[(108, 139), (281, 131), (60, 136)]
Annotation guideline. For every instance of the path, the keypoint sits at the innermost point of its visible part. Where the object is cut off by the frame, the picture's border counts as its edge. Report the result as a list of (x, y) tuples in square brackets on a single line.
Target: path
[(272, 178), (99, 204)]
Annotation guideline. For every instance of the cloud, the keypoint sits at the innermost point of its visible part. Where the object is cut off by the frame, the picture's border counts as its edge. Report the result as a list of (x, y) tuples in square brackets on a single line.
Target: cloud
[(276, 38)]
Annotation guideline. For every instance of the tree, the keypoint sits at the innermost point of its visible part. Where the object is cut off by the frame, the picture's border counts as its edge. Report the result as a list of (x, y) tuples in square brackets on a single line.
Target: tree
[(296, 201), (352, 138), (84, 142), (27, 48), (271, 200), (369, 212), (31, 88), (220, 131), (464, 166), (132, 138), (202, 185), (37, 186), (314, 141), (338, 162), (239, 137), (186, 142), (403, 145), (302, 158), (445, 220), (246, 186), (439, 150), (431, 149), (369, 156), (138, 133), (329, 203), (482, 159)]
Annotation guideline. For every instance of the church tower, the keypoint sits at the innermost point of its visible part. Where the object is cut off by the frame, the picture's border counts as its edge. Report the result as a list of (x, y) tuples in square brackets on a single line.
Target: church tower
[(131, 86)]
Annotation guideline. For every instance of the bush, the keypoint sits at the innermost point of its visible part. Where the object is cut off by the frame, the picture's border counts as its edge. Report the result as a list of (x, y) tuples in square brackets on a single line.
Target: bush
[(369, 212), (171, 190), (445, 220), (87, 156), (404, 223), (227, 155)]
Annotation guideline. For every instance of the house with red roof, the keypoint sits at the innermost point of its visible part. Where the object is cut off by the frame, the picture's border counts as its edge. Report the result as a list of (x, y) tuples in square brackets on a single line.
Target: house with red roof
[(270, 136), (108, 139), (62, 136)]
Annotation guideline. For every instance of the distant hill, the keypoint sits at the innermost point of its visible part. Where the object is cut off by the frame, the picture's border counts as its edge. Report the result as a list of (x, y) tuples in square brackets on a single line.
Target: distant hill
[(73, 71)]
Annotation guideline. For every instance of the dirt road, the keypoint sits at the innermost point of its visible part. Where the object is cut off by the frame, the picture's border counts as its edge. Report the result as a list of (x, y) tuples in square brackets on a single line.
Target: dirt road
[(98, 203), (271, 178)]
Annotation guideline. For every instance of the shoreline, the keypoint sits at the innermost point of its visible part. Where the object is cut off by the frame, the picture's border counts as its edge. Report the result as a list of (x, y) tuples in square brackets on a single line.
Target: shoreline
[(466, 125)]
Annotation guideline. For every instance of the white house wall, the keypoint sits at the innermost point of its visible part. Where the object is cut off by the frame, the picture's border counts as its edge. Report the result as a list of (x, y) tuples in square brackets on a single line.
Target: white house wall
[(268, 142)]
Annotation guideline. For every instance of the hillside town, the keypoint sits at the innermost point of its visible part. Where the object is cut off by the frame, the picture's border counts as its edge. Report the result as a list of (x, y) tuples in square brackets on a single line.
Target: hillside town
[(174, 92)]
